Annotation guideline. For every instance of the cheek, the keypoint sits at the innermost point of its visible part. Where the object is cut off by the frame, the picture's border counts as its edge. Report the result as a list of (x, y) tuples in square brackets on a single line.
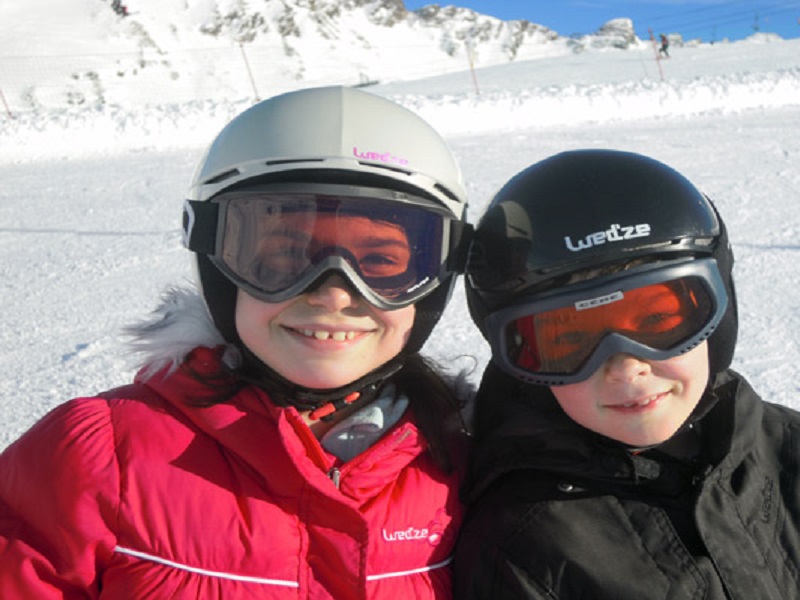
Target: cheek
[(252, 315), (575, 400), (690, 369), (399, 322)]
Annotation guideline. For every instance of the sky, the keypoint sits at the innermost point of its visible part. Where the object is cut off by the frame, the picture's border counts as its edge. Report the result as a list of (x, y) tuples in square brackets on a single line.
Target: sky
[(709, 20), (91, 197)]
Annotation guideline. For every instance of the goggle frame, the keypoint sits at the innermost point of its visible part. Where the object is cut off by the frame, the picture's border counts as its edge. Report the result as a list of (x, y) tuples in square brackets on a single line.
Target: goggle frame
[(204, 227), (703, 269)]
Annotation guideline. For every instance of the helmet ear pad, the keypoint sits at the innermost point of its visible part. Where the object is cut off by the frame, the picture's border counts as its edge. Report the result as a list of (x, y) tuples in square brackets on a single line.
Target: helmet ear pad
[(220, 294), (722, 343), (428, 313)]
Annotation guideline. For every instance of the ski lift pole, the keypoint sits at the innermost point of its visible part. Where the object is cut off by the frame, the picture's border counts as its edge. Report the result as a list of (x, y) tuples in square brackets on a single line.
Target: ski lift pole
[(8, 110), (468, 43), (655, 51), (249, 72)]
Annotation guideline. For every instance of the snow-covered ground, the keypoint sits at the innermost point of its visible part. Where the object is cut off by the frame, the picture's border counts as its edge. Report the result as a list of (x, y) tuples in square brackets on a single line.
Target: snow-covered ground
[(90, 199)]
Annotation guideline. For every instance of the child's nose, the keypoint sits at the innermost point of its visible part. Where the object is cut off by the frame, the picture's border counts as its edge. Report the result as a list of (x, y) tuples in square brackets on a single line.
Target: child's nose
[(626, 367), (334, 293)]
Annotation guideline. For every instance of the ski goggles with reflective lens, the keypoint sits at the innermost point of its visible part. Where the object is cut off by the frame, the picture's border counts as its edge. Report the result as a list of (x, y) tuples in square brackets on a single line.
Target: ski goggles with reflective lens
[(653, 313), (277, 241)]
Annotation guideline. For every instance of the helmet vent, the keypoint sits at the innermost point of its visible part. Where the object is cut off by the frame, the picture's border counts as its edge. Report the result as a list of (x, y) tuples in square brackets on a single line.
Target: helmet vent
[(222, 177), (386, 167), (446, 192), (288, 161)]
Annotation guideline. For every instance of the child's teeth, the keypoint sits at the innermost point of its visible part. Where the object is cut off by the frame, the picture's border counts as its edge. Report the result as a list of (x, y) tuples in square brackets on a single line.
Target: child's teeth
[(635, 404), (338, 336)]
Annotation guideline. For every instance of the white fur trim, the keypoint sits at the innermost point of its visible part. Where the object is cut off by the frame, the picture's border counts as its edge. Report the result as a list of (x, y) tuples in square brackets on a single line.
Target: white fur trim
[(180, 324)]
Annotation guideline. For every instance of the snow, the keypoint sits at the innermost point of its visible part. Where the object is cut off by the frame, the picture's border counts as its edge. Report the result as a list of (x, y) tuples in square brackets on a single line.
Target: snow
[(91, 197)]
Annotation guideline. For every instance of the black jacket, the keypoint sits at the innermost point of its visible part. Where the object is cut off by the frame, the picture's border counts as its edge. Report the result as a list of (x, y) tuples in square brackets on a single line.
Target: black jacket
[(558, 512)]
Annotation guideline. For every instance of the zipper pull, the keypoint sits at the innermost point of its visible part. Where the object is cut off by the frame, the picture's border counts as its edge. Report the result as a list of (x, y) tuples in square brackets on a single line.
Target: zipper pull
[(334, 474)]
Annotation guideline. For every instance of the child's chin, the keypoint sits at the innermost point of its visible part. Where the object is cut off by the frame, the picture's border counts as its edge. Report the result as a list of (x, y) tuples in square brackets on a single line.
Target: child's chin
[(326, 383), (648, 439)]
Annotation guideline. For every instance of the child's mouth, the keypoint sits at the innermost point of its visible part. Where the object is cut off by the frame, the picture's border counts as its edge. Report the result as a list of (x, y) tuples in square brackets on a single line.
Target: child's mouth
[(640, 405)]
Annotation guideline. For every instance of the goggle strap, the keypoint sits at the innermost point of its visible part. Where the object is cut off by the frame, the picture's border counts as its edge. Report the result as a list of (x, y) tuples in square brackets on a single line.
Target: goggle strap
[(462, 234), (200, 220)]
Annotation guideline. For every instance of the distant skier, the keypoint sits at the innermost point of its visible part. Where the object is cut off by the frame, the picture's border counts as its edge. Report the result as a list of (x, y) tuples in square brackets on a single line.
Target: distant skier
[(119, 8), (664, 49)]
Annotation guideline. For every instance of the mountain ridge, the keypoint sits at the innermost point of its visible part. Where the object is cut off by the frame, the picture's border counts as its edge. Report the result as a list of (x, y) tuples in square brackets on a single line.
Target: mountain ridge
[(271, 45)]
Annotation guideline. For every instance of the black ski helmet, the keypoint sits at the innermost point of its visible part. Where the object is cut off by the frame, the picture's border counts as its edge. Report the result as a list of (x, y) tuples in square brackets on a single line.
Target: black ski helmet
[(586, 209), (336, 135)]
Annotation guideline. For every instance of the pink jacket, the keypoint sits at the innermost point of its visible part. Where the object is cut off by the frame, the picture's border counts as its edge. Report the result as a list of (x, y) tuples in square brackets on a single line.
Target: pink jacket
[(135, 494)]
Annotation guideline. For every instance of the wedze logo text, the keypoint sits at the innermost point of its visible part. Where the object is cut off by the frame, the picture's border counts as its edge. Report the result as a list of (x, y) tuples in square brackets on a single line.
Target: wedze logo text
[(386, 157), (432, 534), (615, 233)]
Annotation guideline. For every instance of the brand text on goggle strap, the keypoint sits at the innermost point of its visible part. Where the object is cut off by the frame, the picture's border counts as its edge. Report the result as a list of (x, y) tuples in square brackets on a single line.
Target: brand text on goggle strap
[(615, 233)]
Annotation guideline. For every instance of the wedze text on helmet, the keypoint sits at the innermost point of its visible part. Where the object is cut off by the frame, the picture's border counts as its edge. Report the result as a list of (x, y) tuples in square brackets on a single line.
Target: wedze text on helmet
[(615, 233), (386, 157)]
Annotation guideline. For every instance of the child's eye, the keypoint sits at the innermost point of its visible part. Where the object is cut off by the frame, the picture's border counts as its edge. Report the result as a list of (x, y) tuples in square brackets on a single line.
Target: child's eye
[(570, 337), (568, 341), (294, 251), (283, 259), (381, 265), (660, 322), (378, 259)]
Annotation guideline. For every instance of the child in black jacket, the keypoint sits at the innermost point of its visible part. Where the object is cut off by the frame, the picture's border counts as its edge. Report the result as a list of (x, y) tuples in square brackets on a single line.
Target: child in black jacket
[(617, 456)]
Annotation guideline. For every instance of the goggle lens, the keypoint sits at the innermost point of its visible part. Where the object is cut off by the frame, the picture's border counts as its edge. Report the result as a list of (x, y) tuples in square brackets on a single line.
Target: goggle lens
[(660, 316), (276, 245)]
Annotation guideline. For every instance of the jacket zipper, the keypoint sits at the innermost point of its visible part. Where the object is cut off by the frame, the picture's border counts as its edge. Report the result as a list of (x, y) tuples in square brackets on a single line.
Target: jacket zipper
[(335, 476)]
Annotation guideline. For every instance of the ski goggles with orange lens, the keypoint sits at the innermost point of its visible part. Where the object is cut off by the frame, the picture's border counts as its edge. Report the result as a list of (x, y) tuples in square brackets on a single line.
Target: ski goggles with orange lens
[(653, 313), (277, 241)]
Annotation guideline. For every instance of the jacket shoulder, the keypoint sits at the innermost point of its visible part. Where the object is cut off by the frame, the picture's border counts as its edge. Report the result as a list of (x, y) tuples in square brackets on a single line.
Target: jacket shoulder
[(75, 429), (74, 448), (59, 499)]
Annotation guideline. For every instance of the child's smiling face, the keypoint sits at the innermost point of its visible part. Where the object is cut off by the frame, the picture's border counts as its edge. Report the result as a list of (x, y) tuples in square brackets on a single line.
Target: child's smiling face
[(325, 338), (635, 401)]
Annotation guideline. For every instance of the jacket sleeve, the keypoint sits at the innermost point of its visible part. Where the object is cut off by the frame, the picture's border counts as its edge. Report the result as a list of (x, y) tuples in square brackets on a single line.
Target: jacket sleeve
[(59, 489)]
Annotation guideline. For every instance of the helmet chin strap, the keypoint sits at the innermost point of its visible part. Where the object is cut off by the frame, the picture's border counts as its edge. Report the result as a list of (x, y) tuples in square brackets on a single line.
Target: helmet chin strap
[(323, 404)]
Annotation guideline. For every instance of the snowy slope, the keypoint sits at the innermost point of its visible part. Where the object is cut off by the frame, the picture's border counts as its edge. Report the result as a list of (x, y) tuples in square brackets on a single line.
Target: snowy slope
[(91, 197)]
